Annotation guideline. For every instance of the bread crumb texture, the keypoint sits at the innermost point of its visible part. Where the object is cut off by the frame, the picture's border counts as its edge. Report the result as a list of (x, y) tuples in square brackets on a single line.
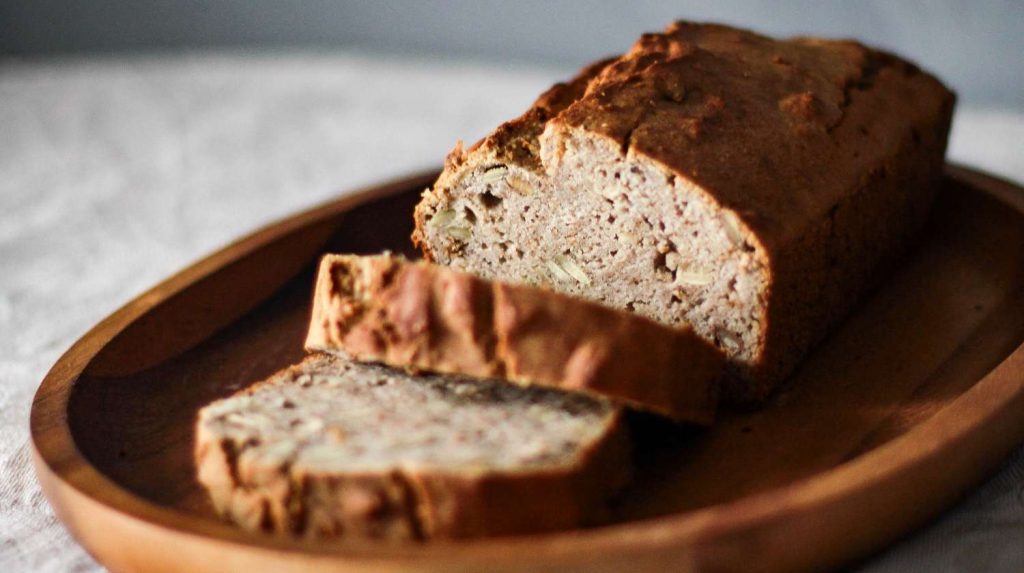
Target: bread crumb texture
[(335, 448)]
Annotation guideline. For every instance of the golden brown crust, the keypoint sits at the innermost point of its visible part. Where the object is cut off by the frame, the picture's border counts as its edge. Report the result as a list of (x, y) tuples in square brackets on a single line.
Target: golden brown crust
[(410, 504), (421, 316), (490, 504), (767, 127)]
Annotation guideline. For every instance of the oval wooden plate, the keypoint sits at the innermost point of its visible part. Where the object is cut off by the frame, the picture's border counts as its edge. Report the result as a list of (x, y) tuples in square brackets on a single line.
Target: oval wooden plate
[(914, 400)]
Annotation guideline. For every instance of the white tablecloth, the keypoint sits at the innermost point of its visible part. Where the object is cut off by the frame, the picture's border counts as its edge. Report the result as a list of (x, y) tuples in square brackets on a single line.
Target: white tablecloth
[(116, 172)]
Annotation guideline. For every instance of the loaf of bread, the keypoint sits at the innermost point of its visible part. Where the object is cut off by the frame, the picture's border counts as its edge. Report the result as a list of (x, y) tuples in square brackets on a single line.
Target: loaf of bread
[(330, 448), (712, 177), (426, 317)]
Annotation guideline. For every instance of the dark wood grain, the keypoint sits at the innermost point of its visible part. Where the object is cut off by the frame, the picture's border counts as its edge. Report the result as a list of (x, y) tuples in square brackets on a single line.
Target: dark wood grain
[(906, 406)]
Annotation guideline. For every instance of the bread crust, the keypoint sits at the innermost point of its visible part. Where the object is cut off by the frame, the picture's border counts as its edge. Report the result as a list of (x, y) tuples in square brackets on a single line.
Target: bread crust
[(426, 317), (825, 151), (410, 504)]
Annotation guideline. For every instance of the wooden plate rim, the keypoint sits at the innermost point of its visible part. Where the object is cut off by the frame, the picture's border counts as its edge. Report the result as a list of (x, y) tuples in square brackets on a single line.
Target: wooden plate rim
[(994, 403)]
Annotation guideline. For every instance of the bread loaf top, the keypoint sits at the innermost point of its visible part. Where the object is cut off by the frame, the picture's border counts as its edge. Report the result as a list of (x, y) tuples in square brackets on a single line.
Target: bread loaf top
[(772, 130)]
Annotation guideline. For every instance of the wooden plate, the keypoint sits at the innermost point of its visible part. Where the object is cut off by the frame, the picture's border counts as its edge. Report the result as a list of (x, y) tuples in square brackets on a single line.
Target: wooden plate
[(916, 398)]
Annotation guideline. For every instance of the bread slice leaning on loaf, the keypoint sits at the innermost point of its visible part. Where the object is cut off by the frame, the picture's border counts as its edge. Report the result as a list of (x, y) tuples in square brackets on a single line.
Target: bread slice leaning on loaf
[(746, 186), (426, 317), (331, 448)]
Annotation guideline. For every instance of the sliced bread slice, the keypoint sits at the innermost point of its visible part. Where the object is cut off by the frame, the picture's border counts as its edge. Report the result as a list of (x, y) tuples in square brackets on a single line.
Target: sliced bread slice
[(427, 317), (747, 186), (332, 448)]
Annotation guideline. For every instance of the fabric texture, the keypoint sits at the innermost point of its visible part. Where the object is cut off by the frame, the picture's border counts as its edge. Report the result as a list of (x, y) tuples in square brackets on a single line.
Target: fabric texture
[(116, 172)]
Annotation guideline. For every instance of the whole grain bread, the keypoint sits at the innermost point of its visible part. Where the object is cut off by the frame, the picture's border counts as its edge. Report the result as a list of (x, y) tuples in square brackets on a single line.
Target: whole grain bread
[(747, 186), (426, 317), (332, 448)]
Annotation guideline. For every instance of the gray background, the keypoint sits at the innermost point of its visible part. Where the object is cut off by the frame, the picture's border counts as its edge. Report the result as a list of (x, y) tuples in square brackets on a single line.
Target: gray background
[(978, 47)]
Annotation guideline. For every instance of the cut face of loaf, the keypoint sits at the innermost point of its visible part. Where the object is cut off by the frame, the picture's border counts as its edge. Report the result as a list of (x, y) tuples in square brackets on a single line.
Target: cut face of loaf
[(433, 318), (746, 186), (330, 448)]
